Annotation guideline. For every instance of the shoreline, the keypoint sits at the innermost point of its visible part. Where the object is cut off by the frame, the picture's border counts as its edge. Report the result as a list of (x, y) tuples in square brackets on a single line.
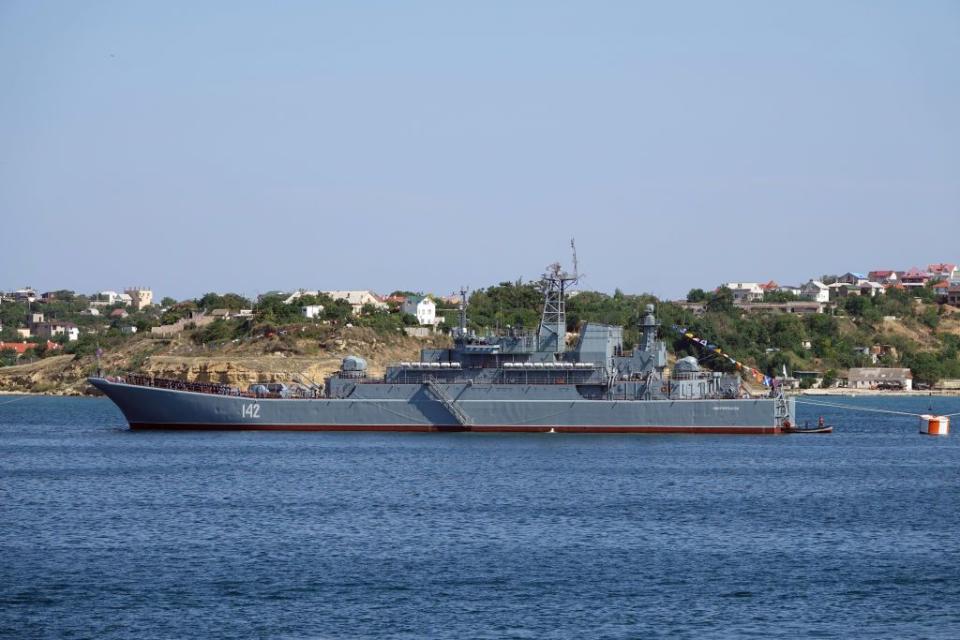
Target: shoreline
[(865, 393)]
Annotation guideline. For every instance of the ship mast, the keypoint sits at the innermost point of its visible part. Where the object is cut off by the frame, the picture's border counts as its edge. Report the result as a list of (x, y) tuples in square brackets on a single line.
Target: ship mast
[(553, 324), (463, 313)]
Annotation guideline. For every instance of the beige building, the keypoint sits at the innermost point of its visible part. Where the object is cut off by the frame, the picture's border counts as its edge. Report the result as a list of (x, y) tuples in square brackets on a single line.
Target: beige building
[(140, 298)]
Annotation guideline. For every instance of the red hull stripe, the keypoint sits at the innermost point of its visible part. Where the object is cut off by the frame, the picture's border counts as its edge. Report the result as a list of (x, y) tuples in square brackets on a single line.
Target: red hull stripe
[(454, 428)]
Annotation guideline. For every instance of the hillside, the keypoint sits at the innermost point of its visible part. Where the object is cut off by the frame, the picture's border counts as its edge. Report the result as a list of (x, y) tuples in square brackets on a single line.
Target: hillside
[(272, 359)]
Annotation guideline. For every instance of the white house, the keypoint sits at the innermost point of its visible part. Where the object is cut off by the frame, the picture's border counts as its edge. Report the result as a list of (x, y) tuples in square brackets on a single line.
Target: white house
[(358, 299), (423, 308), (26, 293), (312, 310), (816, 290), (107, 298), (745, 291), (56, 328)]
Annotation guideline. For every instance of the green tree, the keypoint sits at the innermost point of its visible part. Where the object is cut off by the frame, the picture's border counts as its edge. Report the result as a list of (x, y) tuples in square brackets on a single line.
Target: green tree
[(696, 295), (232, 301), (8, 357), (926, 367), (721, 301), (829, 378)]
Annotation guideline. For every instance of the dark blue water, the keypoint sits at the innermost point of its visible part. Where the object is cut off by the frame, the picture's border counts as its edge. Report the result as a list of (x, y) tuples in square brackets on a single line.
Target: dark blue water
[(105, 533)]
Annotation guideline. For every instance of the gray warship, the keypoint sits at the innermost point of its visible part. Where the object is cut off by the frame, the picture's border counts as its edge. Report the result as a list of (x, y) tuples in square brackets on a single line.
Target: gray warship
[(517, 382)]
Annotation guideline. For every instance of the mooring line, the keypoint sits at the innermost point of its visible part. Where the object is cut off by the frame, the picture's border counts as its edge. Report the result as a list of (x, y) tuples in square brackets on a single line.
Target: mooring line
[(15, 400), (857, 408)]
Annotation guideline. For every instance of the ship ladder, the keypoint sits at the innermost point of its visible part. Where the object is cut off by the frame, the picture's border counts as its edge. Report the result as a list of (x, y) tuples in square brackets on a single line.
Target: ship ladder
[(449, 403)]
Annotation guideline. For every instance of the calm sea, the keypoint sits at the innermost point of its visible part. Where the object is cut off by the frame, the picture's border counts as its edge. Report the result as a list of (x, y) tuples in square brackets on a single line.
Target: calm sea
[(106, 533)]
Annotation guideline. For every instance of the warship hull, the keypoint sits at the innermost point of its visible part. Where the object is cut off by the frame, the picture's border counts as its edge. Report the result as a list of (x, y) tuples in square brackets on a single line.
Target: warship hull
[(414, 407)]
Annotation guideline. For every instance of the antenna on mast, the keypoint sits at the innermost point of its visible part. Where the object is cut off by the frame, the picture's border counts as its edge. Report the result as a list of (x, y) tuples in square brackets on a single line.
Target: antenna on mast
[(576, 268)]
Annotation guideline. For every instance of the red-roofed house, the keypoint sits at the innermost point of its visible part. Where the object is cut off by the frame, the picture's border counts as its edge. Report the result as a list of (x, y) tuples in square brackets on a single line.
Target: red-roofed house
[(19, 347), (915, 278), (119, 313), (22, 347), (942, 270), (883, 276)]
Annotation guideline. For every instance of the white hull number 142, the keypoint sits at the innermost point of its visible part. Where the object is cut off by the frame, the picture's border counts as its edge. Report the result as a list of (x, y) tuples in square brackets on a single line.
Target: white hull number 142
[(250, 410)]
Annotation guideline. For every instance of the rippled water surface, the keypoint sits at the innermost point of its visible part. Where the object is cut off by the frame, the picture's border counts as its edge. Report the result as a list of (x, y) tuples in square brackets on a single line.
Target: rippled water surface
[(106, 533)]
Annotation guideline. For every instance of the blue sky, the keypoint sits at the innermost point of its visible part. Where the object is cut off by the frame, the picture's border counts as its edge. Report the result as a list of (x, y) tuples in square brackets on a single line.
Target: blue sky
[(239, 146)]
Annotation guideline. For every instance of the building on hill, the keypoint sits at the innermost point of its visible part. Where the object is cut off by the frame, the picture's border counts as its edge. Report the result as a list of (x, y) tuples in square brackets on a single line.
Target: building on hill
[(105, 299), (915, 278), (56, 328), (944, 270), (745, 291), (140, 297), (423, 308), (851, 277), (885, 277), (891, 378), (940, 289), (119, 313), (19, 347), (312, 311), (872, 289), (26, 294), (22, 347), (358, 299), (816, 291)]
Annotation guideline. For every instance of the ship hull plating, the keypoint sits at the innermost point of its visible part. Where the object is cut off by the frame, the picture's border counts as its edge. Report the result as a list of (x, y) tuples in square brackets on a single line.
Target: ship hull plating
[(402, 407)]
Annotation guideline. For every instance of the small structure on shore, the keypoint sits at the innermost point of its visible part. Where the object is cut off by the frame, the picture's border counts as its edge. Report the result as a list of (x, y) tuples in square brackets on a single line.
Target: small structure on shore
[(880, 378)]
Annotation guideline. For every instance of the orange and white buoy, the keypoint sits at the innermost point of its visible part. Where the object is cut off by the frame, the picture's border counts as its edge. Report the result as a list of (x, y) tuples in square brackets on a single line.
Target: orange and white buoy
[(934, 425)]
